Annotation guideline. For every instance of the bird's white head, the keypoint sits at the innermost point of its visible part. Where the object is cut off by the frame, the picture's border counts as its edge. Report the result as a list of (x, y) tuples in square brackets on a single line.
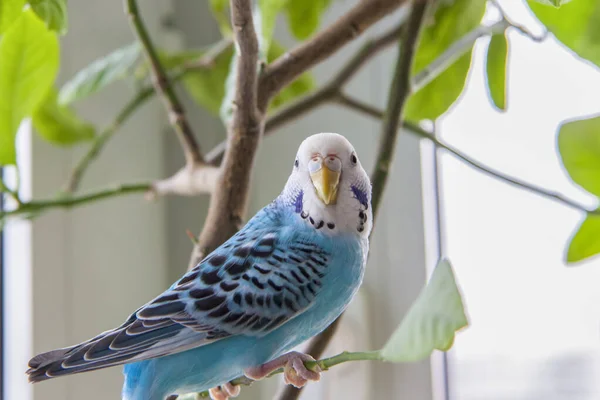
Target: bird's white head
[(328, 187)]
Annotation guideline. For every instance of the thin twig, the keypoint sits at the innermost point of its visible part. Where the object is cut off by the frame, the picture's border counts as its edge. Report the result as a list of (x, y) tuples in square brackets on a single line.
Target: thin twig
[(400, 90), (289, 66), (140, 98), (519, 27), (163, 85), (77, 173), (14, 194), (324, 365), (208, 59), (73, 201), (229, 200), (366, 109)]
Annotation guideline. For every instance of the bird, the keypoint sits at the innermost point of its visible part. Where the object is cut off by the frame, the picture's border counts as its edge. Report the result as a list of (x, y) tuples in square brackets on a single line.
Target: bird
[(280, 280)]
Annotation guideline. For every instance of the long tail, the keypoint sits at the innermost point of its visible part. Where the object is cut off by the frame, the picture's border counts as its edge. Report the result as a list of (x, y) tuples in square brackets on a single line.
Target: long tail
[(40, 365)]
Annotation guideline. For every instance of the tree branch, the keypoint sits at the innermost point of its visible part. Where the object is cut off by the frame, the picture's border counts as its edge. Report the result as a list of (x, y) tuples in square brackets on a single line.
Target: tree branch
[(162, 84), (324, 364), (417, 130), (229, 200), (399, 92), (327, 93), (70, 201), (289, 66)]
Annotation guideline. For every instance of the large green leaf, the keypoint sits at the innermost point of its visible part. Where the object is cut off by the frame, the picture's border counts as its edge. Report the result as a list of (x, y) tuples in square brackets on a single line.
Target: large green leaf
[(304, 16), (576, 25), (496, 64), (302, 85), (10, 10), (266, 20), (53, 13), (453, 19), (579, 148), (58, 124), (585, 241), (100, 73), (432, 320), (29, 57)]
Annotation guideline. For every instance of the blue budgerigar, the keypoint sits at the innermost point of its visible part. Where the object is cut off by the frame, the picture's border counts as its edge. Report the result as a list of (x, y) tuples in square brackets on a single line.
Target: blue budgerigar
[(280, 280)]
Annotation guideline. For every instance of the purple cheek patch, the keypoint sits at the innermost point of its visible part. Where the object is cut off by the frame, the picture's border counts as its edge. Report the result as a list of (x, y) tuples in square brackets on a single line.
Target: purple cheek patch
[(298, 202), (361, 196)]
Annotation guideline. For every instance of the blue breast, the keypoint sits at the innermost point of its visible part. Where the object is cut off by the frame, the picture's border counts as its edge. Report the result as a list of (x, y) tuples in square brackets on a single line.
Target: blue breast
[(215, 363)]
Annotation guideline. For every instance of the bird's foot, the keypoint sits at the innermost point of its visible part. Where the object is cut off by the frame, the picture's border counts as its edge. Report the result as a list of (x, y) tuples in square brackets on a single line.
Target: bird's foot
[(294, 371), (224, 392)]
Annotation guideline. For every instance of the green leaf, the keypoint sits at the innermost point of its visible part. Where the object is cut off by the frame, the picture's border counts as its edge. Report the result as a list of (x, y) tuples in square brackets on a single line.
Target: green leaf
[(496, 64), (304, 16), (302, 85), (576, 25), (100, 73), (220, 10), (53, 13), (207, 85), (579, 148), (432, 320), (554, 3), (453, 19), (58, 124), (266, 20), (29, 54), (10, 10), (585, 241)]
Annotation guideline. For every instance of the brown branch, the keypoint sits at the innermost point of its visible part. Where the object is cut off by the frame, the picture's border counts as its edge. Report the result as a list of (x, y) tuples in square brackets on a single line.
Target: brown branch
[(229, 200), (400, 90), (289, 66), (162, 84), (327, 93)]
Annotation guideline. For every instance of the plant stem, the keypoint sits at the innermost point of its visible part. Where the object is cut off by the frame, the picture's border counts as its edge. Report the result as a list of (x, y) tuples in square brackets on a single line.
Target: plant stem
[(14, 194), (68, 201), (400, 90), (163, 86), (415, 129), (324, 364), (229, 199), (77, 173)]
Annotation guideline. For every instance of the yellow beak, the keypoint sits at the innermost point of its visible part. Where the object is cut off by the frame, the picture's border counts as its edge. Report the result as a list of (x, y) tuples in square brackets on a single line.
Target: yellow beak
[(326, 183)]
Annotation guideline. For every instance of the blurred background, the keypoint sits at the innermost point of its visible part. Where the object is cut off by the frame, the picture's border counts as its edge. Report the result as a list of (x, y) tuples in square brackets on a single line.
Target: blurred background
[(534, 323)]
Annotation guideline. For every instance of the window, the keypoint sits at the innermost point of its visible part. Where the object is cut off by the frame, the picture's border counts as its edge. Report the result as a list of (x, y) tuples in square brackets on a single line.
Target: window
[(534, 322)]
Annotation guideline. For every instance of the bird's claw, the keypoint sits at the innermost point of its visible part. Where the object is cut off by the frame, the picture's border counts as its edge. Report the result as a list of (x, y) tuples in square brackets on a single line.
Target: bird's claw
[(294, 371), (224, 392)]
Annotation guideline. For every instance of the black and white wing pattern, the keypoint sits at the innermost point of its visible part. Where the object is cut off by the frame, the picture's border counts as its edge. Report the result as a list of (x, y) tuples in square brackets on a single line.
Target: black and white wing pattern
[(259, 279)]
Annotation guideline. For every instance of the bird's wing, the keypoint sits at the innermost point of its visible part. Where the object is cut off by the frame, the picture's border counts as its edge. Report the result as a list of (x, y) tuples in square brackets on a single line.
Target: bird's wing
[(255, 282)]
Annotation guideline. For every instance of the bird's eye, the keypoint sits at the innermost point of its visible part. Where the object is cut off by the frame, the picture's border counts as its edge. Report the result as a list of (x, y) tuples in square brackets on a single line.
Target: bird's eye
[(296, 163), (353, 159)]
